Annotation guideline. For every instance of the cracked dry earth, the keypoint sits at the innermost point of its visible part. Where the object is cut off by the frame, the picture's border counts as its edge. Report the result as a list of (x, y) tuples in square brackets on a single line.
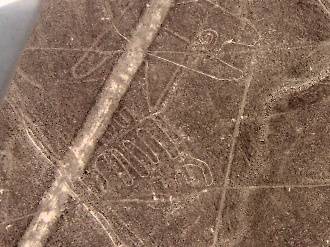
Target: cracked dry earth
[(222, 139)]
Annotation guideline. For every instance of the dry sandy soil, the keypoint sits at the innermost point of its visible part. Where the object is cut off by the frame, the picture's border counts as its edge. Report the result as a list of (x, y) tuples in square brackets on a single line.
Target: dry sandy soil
[(223, 132)]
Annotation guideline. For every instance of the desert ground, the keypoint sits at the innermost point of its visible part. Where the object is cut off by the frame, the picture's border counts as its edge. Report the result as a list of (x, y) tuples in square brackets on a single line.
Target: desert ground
[(222, 139)]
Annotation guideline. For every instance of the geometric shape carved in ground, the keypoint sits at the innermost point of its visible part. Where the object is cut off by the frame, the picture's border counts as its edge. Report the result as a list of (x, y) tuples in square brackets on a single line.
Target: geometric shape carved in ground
[(182, 101)]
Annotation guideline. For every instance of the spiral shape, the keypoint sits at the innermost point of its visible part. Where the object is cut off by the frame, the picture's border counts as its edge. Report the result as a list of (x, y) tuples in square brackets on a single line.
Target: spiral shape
[(208, 37)]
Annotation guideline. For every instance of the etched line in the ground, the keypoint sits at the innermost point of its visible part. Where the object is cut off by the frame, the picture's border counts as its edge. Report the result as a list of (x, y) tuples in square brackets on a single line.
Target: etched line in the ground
[(204, 168), (178, 52), (167, 91), (158, 135), (112, 224), (219, 222), (97, 120), (193, 52), (164, 198), (317, 180), (146, 86), (242, 19), (101, 165), (4, 194), (242, 44), (177, 35), (39, 146), (281, 186), (166, 125), (141, 201), (121, 134), (171, 83), (104, 224), (159, 198), (191, 69), (261, 49), (99, 218), (187, 2), (88, 55), (124, 11), (208, 37), (122, 123), (140, 159), (27, 78), (242, 227), (216, 5), (274, 47), (132, 235), (84, 50), (172, 198), (152, 140), (324, 8), (172, 86), (87, 188), (18, 218), (189, 227), (108, 9), (117, 162), (231, 66), (124, 118)]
